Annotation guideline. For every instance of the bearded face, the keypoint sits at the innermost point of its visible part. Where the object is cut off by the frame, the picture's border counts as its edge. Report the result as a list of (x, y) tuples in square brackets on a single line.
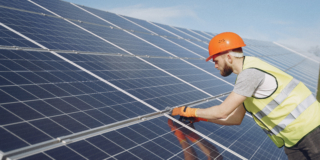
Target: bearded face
[(226, 71), (221, 64)]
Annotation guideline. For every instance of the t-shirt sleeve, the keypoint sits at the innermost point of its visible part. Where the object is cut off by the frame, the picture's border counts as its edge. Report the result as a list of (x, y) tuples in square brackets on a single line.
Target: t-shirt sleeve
[(248, 81)]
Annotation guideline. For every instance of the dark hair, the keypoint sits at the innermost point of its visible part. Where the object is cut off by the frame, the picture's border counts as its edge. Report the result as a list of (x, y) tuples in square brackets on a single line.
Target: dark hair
[(238, 50)]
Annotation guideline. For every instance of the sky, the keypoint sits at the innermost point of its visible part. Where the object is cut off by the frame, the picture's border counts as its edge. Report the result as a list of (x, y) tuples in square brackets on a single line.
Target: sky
[(293, 23)]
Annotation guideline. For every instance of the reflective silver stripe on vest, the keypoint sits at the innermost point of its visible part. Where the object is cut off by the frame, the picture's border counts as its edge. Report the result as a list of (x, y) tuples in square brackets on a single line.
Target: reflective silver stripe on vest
[(267, 132), (294, 114), (278, 100)]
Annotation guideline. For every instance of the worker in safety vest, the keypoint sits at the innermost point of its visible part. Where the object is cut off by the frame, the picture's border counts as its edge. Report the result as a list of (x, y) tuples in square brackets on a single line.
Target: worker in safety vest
[(281, 105)]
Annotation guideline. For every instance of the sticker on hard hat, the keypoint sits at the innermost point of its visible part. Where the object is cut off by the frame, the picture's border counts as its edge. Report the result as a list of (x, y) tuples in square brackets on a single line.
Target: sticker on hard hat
[(221, 40)]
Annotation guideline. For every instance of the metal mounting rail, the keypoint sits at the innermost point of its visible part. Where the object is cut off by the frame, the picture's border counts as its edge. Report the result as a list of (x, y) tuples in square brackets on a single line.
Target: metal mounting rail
[(60, 141), (92, 53)]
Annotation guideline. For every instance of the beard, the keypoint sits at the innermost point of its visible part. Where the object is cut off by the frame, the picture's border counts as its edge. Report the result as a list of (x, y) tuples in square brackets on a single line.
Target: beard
[(226, 71)]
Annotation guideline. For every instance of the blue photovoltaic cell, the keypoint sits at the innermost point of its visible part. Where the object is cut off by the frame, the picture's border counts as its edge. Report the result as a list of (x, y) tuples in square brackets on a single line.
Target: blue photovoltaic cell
[(152, 85), (150, 27), (164, 44), (193, 75), (176, 32), (115, 19), (208, 37), (192, 35), (47, 108), (116, 36), (152, 139), (63, 35)]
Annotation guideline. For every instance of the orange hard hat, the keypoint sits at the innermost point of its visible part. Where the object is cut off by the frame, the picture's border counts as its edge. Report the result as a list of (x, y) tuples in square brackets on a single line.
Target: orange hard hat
[(223, 42)]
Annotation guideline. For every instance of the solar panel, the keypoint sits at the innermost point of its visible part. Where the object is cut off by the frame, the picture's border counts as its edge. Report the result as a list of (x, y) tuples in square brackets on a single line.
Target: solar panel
[(80, 83)]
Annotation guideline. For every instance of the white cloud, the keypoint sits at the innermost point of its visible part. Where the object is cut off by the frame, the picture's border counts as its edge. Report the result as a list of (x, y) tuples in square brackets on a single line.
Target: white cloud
[(166, 15)]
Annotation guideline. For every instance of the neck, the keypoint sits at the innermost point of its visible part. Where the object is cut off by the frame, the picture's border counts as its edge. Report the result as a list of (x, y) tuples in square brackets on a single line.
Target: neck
[(237, 66)]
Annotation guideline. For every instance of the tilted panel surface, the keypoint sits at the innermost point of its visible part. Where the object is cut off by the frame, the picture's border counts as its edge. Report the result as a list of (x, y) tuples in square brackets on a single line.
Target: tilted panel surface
[(159, 138), (140, 79), (52, 32), (44, 97)]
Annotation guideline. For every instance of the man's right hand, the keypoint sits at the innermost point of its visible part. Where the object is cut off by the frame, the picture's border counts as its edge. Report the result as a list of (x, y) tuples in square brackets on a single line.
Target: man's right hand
[(184, 111)]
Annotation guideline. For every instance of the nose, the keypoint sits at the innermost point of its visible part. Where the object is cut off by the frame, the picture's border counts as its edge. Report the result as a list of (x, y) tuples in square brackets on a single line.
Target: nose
[(216, 65)]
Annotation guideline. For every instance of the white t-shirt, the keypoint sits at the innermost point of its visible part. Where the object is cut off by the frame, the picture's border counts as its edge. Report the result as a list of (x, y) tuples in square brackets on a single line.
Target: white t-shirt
[(255, 83)]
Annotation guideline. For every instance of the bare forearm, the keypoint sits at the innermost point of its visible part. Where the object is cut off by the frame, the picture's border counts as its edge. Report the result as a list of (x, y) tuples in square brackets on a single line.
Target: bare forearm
[(212, 113), (223, 110), (224, 122), (235, 118)]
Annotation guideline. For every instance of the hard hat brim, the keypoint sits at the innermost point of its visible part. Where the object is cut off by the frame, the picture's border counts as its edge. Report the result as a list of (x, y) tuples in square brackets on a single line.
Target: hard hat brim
[(213, 56), (210, 57)]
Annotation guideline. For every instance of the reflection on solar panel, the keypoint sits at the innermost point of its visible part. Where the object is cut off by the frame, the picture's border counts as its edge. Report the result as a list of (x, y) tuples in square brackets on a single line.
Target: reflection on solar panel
[(80, 83)]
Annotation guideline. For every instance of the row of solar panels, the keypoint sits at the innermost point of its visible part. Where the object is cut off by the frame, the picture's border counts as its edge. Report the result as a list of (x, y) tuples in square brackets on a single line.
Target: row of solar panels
[(44, 96)]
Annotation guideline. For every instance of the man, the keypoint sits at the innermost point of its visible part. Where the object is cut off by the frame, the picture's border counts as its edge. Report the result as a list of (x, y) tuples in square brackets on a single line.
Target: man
[(281, 105)]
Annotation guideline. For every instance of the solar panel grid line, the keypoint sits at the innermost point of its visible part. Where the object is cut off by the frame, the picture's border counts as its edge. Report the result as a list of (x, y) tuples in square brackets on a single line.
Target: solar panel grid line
[(125, 150), (203, 40), (3, 126), (76, 64), (220, 154), (77, 153), (151, 140), (57, 17), (111, 156), (206, 137), (186, 33), (98, 148), (111, 127), (44, 116), (294, 65), (152, 44), (189, 51), (178, 36), (169, 141), (240, 136), (190, 146), (166, 30), (258, 148), (129, 21), (199, 34), (295, 51), (40, 147), (15, 135), (27, 121), (34, 149), (128, 32), (128, 51), (47, 155), (161, 37)]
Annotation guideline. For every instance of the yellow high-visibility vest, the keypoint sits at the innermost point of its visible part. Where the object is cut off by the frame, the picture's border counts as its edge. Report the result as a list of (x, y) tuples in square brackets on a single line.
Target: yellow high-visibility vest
[(289, 113)]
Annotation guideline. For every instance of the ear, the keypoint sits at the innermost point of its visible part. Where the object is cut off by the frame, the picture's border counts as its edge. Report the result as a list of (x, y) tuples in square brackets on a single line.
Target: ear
[(229, 58)]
